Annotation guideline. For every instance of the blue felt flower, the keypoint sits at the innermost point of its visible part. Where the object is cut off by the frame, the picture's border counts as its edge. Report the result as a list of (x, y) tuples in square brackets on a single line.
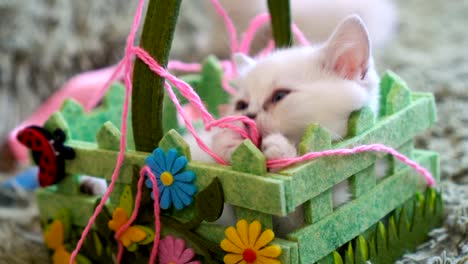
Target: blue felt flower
[(174, 182)]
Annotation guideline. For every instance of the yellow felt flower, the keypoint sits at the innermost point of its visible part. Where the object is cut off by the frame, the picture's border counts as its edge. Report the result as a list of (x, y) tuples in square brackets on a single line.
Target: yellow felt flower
[(54, 236), (61, 256), (247, 244), (119, 218), (54, 239), (132, 234), (129, 236)]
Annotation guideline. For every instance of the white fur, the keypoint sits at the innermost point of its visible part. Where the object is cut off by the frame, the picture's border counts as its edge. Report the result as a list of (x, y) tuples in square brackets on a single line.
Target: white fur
[(315, 18), (92, 185), (319, 96), (276, 146), (327, 83)]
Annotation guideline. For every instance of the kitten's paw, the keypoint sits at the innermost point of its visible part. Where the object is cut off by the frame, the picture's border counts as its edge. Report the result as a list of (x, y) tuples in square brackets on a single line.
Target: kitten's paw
[(225, 142), (277, 146), (92, 186)]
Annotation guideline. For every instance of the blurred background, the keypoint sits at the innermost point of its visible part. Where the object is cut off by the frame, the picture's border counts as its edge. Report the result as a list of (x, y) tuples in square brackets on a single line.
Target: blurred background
[(43, 43)]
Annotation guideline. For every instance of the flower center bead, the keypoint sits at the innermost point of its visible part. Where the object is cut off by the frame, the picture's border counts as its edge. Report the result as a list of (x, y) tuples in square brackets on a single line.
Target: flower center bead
[(167, 178), (249, 255), (172, 262)]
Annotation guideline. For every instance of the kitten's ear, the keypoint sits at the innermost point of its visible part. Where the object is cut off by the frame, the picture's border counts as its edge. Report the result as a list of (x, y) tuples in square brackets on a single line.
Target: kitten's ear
[(347, 51), (242, 62)]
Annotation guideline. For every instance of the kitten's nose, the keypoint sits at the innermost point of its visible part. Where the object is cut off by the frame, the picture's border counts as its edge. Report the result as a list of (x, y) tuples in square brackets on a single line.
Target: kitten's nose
[(251, 115)]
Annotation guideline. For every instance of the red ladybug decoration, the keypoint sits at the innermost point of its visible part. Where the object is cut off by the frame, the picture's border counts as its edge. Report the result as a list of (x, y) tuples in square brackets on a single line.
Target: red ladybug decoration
[(48, 152)]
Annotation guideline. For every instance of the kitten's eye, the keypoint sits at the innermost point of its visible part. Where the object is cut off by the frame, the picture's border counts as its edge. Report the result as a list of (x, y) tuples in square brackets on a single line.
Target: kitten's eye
[(241, 105), (279, 95)]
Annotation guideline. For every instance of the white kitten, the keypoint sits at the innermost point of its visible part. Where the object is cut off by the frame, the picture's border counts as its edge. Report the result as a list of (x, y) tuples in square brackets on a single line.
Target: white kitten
[(293, 88), (315, 18)]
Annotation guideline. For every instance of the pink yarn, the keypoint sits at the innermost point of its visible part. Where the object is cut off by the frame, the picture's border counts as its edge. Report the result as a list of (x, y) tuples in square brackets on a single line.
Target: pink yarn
[(157, 232), (229, 25), (184, 67), (134, 213), (281, 163), (120, 252), (267, 50), (260, 21), (209, 121), (257, 22), (230, 67), (95, 99), (299, 35), (144, 172)]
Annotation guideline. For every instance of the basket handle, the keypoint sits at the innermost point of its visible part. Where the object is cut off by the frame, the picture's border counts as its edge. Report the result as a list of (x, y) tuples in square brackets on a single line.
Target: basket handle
[(148, 88), (281, 22)]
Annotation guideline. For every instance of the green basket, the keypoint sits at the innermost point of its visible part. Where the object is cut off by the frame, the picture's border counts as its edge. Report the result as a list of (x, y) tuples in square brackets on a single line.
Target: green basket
[(385, 217)]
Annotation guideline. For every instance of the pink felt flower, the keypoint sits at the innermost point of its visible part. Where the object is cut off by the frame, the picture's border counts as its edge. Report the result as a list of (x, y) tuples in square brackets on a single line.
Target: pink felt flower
[(173, 251)]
